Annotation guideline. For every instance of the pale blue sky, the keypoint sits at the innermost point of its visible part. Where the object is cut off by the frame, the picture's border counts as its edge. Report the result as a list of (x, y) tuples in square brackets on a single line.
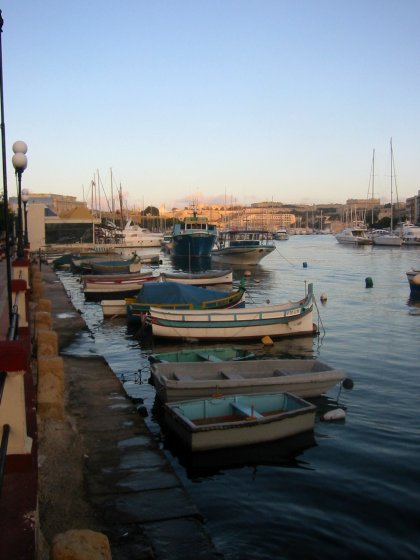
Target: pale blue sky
[(249, 100)]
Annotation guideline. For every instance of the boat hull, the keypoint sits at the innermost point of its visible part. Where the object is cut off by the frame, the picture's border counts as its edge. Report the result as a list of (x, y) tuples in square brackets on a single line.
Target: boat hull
[(276, 321), (413, 278), (239, 420), (241, 255), (186, 381), (192, 244), (209, 278)]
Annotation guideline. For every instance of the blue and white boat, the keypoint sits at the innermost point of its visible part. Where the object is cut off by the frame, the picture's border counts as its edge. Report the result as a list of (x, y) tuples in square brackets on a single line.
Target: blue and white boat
[(193, 237), (238, 420), (176, 296)]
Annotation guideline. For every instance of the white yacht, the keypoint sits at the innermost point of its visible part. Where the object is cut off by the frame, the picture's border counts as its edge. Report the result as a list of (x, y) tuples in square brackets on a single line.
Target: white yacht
[(134, 235), (355, 235), (410, 234), (385, 237)]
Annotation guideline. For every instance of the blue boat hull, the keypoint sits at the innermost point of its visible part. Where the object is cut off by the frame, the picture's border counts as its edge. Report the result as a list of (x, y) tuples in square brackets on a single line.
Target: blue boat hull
[(192, 245)]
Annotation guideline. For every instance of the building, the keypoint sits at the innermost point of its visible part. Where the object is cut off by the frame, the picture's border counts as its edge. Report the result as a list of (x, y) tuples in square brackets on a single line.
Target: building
[(412, 208)]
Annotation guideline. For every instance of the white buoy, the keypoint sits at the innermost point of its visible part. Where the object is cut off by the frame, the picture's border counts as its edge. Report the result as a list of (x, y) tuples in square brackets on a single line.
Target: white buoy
[(336, 414), (323, 297)]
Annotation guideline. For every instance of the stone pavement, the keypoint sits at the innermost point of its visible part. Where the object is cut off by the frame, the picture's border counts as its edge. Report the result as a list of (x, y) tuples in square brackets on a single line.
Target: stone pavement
[(127, 489)]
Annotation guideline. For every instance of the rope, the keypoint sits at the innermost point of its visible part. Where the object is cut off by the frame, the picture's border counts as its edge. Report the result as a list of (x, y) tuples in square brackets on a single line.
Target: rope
[(319, 317)]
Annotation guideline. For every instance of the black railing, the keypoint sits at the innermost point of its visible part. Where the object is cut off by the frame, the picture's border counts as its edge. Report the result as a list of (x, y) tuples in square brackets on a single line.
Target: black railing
[(5, 434), (3, 452)]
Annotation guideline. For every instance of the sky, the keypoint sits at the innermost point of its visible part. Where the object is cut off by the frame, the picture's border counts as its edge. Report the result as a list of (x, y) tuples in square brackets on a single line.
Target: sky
[(213, 101)]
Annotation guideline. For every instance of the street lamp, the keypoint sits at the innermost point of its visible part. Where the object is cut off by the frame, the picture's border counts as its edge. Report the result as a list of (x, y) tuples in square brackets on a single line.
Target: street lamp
[(25, 198), (20, 161)]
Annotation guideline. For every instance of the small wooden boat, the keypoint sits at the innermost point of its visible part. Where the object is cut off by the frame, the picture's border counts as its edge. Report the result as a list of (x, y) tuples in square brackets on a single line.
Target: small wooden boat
[(203, 355), (287, 319), (183, 381), (413, 277), (175, 296), (199, 278), (117, 266), (119, 287), (238, 420)]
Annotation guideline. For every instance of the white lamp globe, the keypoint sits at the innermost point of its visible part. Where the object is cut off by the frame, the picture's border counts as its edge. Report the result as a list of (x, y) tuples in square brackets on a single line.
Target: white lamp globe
[(25, 195), (20, 161), (20, 147)]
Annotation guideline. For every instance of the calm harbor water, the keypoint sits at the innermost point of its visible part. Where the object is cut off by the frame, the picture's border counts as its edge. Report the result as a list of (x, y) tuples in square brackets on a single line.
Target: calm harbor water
[(353, 489)]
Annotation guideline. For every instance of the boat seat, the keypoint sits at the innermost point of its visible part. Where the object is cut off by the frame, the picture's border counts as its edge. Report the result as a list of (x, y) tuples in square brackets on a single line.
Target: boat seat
[(209, 357), (183, 377), (231, 375), (245, 410)]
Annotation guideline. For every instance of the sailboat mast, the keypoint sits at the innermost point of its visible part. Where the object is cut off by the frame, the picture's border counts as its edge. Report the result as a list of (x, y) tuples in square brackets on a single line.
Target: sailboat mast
[(373, 180), (392, 175)]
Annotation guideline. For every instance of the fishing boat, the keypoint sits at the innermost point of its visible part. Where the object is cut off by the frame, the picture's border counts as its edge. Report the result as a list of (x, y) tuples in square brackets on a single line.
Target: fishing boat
[(208, 278), (356, 235), (242, 246), (184, 381), (413, 277), (275, 321), (99, 287), (193, 237), (175, 296), (231, 353), (238, 420)]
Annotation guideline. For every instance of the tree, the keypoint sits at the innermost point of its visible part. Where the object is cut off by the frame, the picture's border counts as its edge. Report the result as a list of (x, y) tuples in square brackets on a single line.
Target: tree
[(150, 211)]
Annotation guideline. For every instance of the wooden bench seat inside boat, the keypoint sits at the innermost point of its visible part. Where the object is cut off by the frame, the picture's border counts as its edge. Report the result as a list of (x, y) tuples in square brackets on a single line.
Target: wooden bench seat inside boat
[(179, 376), (245, 410), (231, 375)]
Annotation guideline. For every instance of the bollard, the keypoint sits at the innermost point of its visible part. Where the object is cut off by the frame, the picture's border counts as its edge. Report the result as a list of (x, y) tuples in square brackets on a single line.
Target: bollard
[(44, 305), (47, 343), (79, 544), (51, 387)]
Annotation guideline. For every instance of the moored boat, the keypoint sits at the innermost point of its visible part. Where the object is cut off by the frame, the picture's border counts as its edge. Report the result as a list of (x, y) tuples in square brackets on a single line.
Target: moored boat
[(193, 237), (175, 296), (122, 286), (285, 319), (118, 266), (413, 277), (211, 354), (208, 278), (386, 238), (184, 381), (356, 235), (238, 420), (410, 233), (242, 246)]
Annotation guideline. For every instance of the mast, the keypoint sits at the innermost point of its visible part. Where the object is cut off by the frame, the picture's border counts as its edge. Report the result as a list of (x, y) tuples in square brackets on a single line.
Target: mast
[(392, 175), (373, 180)]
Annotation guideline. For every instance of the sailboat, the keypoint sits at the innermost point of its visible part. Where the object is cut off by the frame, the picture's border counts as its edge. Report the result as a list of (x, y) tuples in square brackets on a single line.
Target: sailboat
[(383, 236)]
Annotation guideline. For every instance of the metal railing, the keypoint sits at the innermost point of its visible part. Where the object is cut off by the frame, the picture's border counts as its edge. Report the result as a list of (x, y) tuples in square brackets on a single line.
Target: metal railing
[(5, 433)]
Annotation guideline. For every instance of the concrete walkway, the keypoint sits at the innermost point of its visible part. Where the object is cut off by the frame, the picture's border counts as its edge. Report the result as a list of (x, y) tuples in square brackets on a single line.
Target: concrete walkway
[(130, 491)]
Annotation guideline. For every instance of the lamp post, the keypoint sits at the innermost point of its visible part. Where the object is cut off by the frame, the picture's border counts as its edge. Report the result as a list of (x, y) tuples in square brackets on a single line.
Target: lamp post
[(25, 198), (20, 161)]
